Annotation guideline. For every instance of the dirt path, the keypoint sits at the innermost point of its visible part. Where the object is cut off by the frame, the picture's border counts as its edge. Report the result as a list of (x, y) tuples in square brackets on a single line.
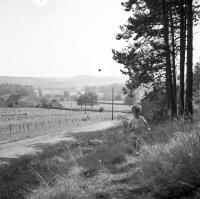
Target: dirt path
[(29, 146)]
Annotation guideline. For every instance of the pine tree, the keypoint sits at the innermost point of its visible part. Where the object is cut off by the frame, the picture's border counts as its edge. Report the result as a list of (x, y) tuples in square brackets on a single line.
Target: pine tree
[(189, 74), (148, 58), (182, 55)]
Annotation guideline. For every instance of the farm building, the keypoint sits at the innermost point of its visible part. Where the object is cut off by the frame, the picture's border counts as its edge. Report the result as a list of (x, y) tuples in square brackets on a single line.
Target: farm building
[(54, 104), (100, 95), (59, 98), (27, 101)]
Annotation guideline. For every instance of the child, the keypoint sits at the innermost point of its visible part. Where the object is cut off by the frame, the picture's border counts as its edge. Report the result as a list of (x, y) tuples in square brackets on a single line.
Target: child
[(137, 125)]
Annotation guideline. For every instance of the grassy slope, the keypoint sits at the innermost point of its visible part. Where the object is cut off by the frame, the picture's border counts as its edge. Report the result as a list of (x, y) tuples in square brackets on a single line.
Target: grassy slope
[(103, 165)]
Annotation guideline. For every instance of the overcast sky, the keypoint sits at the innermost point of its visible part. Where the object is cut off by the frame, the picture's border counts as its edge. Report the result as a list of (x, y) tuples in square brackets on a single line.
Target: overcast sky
[(61, 38)]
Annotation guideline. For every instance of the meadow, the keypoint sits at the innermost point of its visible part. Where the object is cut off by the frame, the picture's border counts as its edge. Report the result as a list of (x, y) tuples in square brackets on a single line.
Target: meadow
[(104, 165), (106, 105), (18, 123)]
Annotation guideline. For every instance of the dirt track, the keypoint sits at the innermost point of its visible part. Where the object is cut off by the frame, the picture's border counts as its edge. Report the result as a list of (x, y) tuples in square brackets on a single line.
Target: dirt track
[(29, 146)]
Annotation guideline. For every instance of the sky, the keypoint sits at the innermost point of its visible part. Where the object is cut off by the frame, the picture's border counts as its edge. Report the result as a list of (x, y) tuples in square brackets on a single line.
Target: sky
[(62, 38)]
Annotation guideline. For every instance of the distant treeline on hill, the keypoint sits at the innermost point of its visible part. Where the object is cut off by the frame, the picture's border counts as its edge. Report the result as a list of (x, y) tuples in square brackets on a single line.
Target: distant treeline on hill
[(16, 89)]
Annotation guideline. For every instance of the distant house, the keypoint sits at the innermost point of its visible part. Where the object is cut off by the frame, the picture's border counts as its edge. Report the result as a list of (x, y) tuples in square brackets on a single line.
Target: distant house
[(54, 104), (100, 95), (27, 101), (59, 98)]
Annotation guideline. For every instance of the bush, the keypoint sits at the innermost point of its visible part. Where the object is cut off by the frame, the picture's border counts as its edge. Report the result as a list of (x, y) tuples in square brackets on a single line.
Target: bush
[(154, 106), (101, 109)]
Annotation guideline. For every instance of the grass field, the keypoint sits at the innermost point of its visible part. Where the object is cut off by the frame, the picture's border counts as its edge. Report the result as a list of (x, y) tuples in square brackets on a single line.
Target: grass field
[(17, 123), (103, 165)]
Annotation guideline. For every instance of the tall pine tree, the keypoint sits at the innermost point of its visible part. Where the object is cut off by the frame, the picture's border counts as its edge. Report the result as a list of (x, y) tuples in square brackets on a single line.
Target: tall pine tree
[(156, 35), (189, 74)]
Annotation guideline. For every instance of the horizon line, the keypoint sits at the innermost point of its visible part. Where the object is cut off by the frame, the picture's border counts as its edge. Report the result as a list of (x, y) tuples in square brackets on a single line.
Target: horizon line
[(15, 76)]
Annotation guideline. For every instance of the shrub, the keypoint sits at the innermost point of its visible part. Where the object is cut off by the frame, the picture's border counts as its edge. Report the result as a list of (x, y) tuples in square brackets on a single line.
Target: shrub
[(101, 109)]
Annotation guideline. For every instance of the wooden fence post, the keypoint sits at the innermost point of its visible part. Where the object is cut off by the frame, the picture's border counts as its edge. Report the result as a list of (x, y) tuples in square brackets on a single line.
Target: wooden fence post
[(10, 129)]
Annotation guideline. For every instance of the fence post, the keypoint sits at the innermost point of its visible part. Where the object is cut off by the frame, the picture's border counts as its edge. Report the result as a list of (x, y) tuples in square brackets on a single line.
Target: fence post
[(112, 101)]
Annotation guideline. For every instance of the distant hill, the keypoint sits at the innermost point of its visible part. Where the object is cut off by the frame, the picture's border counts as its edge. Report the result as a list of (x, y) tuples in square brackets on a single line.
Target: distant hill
[(75, 81)]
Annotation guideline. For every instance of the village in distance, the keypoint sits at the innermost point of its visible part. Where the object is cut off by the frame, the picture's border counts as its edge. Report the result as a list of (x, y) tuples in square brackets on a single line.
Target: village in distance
[(70, 93)]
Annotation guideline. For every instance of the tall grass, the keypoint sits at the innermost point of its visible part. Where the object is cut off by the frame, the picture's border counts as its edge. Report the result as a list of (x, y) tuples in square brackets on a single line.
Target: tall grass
[(89, 176), (168, 165), (172, 170)]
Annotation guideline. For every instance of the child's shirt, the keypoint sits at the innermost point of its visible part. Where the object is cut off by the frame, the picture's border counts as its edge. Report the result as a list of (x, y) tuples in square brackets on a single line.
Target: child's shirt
[(137, 124)]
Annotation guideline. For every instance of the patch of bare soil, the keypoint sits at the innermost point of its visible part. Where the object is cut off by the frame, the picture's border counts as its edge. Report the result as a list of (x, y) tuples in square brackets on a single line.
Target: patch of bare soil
[(92, 165), (29, 146)]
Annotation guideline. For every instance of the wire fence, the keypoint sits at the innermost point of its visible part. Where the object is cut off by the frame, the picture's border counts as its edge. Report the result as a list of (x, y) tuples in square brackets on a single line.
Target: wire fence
[(29, 121)]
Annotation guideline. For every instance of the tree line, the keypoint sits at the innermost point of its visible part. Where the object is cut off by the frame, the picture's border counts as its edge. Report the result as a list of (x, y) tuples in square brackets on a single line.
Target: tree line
[(159, 38), (89, 98), (17, 89)]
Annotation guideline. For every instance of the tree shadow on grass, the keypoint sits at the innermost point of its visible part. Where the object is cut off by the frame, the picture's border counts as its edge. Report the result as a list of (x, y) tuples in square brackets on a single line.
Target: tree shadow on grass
[(20, 175)]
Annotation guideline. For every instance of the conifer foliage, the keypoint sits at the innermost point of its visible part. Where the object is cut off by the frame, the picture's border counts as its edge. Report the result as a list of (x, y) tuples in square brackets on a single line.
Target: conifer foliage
[(159, 35)]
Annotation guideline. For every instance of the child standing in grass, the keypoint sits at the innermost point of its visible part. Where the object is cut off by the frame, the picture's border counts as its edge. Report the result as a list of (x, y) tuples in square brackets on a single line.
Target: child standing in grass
[(136, 125)]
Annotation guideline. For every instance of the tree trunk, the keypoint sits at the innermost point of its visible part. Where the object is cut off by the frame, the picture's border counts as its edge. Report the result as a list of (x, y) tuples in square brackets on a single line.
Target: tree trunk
[(169, 87), (182, 55), (173, 62), (189, 75)]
